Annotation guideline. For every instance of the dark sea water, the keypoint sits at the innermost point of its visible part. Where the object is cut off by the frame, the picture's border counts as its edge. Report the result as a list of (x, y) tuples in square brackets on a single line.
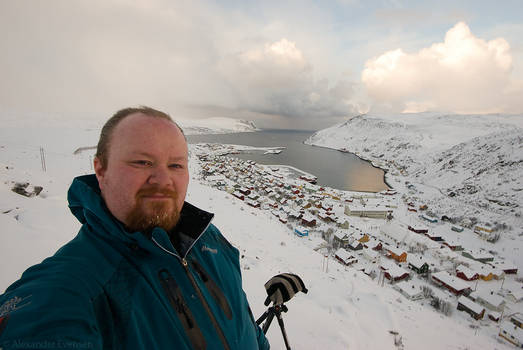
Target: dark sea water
[(344, 171)]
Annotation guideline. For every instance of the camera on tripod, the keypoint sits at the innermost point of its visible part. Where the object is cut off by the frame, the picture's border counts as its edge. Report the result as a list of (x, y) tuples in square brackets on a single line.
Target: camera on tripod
[(280, 289)]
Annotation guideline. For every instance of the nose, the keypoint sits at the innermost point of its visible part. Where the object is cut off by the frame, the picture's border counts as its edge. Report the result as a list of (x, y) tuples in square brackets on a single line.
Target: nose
[(160, 176)]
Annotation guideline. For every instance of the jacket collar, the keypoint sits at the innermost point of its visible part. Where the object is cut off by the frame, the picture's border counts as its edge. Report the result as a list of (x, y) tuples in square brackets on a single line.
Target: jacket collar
[(88, 206)]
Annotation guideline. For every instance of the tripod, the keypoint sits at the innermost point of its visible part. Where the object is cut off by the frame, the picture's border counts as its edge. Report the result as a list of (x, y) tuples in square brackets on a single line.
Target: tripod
[(272, 311)]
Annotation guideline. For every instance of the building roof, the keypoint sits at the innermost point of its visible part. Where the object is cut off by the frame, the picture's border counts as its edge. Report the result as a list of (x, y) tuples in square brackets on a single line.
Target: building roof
[(470, 304), (452, 242), (409, 288), (395, 250), (368, 208), (341, 235), (394, 231), (370, 253), (518, 317), (513, 330), (372, 243), (357, 236), (301, 229), (476, 254), (485, 270), (516, 293), (344, 255), (450, 280), (490, 298), (393, 269), (355, 244), (503, 265), (308, 217), (416, 260), (469, 273)]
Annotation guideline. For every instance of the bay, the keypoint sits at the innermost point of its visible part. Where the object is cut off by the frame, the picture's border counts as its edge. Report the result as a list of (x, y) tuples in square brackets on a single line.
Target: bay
[(340, 170)]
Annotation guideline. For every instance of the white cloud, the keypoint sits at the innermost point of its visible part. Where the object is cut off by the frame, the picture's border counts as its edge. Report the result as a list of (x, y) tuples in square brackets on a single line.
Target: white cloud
[(286, 64), (463, 74), (276, 78), (184, 57)]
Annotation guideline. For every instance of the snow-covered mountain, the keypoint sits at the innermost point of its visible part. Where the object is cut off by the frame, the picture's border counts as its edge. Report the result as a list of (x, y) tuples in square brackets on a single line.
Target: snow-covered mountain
[(216, 126), (474, 162)]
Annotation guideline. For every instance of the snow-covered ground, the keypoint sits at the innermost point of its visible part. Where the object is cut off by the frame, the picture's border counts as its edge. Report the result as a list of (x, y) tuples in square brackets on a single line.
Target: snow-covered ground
[(344, 308)]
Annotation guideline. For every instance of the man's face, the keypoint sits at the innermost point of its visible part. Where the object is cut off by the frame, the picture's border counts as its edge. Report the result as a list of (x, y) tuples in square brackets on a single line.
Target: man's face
[(146, 176)]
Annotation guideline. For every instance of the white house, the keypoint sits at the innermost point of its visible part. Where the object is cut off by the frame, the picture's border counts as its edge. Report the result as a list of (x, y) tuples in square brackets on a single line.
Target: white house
[(452, 283), (475, 310), (375, 212), (489, 300), (512, 333), (410, 289), (370, 254), (345, 257), (393, 272), (515, 295), (394, 233)]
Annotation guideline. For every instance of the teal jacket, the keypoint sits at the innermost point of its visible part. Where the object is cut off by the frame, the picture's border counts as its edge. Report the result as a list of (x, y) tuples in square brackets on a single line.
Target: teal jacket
[(110, 289)]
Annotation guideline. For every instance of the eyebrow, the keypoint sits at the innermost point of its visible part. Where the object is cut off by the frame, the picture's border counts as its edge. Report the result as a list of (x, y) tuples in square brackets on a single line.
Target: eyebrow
[(148, 155)]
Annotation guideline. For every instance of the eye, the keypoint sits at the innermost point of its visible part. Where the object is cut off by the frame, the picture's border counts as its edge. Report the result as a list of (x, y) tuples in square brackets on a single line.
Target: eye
[(176, 166), (142, 163)]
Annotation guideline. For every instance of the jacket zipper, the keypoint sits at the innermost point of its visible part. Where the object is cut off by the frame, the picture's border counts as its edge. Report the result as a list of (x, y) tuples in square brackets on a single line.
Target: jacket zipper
[(213, 288), (184, 313), (206, 306), (183, 261)]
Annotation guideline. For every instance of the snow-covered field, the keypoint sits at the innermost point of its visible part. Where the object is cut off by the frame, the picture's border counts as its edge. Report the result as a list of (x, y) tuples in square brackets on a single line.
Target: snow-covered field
[(344, 308)]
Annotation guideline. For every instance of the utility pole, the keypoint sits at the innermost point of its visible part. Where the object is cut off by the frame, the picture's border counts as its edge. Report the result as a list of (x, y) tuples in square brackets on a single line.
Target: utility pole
[(42, 158), (325, 263)]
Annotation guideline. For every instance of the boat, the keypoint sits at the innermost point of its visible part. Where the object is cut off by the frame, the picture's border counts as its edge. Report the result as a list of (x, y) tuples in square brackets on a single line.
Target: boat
[(273, 151), (310, 179)]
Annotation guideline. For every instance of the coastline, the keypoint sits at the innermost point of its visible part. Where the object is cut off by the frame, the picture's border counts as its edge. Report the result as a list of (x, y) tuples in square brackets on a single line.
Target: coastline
[(385, 171), (332, 169)]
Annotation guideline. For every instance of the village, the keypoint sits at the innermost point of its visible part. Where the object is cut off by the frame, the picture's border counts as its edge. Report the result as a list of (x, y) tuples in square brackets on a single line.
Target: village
[(388, 236)]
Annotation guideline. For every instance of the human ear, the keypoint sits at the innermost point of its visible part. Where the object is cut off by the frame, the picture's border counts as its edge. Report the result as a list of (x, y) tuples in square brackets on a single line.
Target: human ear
[(99, 170)]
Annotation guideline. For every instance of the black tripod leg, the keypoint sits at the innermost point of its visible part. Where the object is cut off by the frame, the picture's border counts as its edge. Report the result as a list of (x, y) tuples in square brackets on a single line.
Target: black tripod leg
[(268, 322), (262, 317), (282, 327)]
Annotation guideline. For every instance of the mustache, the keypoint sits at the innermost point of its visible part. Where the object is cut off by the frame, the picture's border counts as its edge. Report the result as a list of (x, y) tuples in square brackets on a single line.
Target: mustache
[(155, 190)]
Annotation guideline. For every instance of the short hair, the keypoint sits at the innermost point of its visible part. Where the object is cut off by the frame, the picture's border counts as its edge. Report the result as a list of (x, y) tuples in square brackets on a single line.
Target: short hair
[(102, 150)]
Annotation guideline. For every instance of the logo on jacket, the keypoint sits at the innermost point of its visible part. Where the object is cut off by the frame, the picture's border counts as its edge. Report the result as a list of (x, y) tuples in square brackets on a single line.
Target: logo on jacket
[(13, 304), (211, 250)]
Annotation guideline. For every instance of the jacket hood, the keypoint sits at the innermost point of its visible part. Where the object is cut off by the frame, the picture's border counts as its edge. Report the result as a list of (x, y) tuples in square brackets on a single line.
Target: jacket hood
[(88, 206)]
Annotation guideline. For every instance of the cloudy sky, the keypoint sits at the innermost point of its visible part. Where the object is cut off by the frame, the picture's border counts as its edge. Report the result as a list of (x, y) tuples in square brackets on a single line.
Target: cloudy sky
[(287, 64)]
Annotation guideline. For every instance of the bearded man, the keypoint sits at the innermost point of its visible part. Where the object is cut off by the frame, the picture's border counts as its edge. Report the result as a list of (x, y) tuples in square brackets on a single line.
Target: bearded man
[(147, 269)]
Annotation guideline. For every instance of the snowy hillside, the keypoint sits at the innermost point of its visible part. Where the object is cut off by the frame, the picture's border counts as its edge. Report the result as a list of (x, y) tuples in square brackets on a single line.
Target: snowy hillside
[(216, 126), (344, 309), (474, 162)]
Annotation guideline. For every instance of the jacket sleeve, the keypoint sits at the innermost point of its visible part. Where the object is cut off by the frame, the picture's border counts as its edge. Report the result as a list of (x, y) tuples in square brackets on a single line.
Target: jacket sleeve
[(263, 343), (261, 340), (47, 318)]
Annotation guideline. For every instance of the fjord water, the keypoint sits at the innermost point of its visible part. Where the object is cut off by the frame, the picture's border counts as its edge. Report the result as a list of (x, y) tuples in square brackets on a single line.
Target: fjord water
[(340, 170)]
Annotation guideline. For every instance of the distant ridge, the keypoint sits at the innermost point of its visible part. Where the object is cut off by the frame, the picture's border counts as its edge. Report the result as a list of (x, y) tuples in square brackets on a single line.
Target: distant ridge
[(216, 126)]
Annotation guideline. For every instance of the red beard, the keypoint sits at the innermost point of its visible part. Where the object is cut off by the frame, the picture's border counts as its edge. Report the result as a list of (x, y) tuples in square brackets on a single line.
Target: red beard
[(145, 216)]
